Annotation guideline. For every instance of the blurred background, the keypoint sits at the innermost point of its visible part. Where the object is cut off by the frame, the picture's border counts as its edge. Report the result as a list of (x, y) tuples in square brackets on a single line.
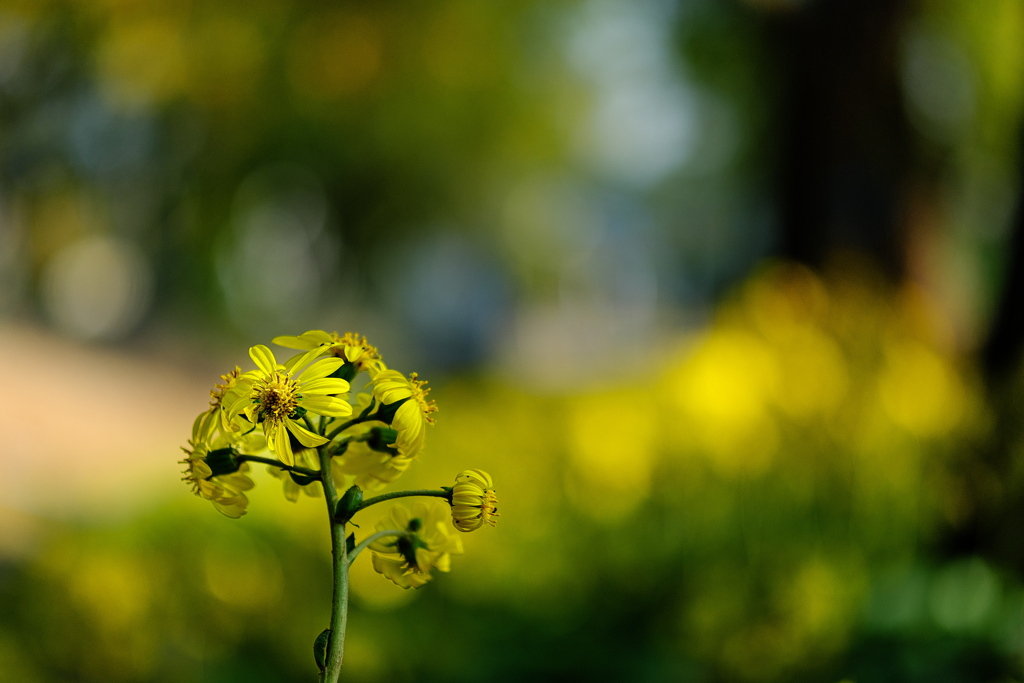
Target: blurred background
[(726, 294)]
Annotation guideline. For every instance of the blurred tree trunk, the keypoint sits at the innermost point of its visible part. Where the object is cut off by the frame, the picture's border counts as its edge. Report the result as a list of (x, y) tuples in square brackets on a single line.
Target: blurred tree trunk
[(846, 144), (847, 169), (1001, 353), (994, 478)]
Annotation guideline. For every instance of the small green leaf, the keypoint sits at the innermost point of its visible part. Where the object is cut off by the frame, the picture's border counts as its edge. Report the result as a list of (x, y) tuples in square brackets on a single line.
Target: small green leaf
[(347, 372), (320, 649), (386, 413), (350, 544), (381, 439), (348, 505), (223, 461)]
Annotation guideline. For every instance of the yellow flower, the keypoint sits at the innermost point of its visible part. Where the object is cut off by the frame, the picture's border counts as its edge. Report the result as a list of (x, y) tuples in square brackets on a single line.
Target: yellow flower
[(307, 458), (414, 408), (350, 347), (224, 490), (359, 464), (276, 399), (426, 544), (473, 501), (368, 469)]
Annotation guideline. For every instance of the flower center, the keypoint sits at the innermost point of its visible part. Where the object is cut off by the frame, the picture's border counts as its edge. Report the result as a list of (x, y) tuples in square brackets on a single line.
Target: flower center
[(419, 392), (489, 507), (218, 391), (192, 477), (277, 395), (369, 352)]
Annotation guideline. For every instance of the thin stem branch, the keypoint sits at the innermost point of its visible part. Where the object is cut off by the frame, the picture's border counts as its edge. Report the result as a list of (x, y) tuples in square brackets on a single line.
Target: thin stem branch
[(309, 423), (362, 417), (277, 463), (442, 493), (339, 596), (370, 539)]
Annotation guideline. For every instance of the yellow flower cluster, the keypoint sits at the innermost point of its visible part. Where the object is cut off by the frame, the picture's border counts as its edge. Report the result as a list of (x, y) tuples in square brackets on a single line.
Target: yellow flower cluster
[(279, 402), (296, 417)]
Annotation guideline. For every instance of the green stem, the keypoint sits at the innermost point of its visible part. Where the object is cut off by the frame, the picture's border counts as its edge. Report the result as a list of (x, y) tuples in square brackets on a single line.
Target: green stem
[(370, 539), (443, 493), (339, 597), (277, 463), (309, 424), (362, 417)]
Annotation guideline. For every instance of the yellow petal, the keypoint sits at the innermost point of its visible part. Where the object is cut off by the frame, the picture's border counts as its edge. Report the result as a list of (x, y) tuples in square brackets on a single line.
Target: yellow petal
[(304, 436), (326, 405), (263, 358), (320, 369), (324, 386), (233, 507), (308, 357), (305, 341), (280, 444)]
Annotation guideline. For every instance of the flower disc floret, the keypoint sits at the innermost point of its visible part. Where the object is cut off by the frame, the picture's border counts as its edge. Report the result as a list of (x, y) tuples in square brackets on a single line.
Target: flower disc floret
[(424, 544), (474, 502)]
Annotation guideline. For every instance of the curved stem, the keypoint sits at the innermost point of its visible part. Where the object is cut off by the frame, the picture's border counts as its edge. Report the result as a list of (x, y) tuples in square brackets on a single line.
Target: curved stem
[(370, 539), (277, 463), (339, 596), (362, 417), (442, 493)]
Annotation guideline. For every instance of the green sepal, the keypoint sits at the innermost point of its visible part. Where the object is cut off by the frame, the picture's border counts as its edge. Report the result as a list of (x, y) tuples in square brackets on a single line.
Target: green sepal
[(409, 543), (223, 461), (347, 372), (381, 439), (301, 479), (297, 413), (348, 505), (350, 543), (320, 649), (386, 412)]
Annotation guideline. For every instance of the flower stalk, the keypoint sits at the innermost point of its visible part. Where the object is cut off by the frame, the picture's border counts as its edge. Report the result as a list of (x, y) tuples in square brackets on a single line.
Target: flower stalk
[(340, 562), (370, 539), (304, 471), (270, 409), (437, 493)]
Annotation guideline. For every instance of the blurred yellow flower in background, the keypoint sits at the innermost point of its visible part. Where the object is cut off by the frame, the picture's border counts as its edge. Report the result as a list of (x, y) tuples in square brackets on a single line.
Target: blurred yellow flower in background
[(371, 469), (304, 457), (407, 559)]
